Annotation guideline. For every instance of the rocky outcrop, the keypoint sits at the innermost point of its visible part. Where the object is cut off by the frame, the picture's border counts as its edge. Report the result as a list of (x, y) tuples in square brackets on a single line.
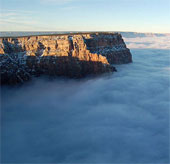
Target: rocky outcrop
[(110, 46), (72, 55)]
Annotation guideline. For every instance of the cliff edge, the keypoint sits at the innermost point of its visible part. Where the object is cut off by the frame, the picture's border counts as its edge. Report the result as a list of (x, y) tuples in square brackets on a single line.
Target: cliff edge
[(73, 55)]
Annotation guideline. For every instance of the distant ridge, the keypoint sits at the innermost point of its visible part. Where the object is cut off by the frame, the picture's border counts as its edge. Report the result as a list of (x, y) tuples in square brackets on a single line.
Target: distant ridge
[(33, 33), (30, 34)]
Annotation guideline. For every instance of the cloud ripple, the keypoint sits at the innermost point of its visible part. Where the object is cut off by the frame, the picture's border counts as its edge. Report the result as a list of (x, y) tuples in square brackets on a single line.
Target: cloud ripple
[(123, 118)]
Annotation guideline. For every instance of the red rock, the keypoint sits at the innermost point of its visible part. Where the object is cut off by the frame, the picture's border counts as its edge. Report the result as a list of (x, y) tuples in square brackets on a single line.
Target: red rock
[(72, 55)]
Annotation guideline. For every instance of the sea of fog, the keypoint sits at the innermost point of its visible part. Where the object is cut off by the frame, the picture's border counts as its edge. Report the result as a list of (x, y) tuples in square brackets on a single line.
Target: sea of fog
[(118, 118)]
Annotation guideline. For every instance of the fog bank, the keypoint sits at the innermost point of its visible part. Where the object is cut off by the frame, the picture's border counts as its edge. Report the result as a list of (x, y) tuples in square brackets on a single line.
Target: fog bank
[(149, 42), (121, 118)]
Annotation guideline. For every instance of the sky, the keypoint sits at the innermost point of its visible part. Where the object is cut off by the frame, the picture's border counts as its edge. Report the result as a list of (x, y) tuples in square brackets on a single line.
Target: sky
[(85, 15)]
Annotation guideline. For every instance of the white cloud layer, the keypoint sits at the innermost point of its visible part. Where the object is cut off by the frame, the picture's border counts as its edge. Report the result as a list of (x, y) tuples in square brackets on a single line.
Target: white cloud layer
[(149, 42), (122, 118)]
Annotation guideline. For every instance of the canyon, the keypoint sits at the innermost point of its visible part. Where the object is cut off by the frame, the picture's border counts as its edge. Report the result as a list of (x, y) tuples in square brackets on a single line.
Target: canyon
[(73, 55)]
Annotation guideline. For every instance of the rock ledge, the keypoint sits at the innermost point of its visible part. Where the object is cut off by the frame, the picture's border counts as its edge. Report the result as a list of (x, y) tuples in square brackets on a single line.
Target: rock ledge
[(72, 55)]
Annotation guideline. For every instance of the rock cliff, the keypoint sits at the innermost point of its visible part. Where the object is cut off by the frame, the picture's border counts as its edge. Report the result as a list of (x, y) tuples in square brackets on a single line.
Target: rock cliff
[(73, 55)]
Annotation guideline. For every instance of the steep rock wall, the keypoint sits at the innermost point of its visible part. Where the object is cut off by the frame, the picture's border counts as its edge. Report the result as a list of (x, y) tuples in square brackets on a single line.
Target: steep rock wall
[(73, 55)]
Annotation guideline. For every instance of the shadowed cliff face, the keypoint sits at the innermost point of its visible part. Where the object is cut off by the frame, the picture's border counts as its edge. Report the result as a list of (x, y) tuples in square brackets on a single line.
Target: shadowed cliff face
[(74, 55), (110, 46), (13, 72)]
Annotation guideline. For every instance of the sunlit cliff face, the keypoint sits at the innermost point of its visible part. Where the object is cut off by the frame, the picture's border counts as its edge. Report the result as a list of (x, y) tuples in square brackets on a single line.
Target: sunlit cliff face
[(71, 55), (84, 46)]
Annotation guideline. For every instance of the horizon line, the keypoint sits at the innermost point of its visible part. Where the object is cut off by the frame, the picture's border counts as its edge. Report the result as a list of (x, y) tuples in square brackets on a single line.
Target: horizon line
[(86, 31)]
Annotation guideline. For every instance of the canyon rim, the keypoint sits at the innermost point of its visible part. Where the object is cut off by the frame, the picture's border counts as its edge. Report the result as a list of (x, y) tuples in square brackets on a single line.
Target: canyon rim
[(73, 55)]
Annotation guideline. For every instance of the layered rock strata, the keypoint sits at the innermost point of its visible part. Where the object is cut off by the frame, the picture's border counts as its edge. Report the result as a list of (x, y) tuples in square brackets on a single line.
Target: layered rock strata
[(72, 55)]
